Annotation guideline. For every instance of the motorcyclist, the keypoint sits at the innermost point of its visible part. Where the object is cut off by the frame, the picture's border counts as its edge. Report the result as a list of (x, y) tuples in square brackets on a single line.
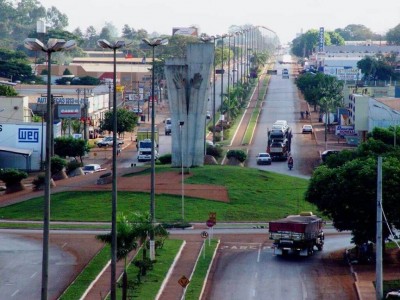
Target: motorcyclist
[(290, 162)]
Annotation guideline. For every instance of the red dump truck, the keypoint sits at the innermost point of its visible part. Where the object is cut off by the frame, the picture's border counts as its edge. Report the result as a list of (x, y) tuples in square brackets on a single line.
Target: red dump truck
[(297, 234)]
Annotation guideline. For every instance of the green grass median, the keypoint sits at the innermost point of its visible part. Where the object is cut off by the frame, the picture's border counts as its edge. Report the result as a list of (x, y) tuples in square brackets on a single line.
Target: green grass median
[(254, 195)]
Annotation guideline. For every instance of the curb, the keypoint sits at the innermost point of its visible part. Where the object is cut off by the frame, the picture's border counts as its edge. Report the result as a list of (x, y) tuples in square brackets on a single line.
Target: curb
[(166, 279)]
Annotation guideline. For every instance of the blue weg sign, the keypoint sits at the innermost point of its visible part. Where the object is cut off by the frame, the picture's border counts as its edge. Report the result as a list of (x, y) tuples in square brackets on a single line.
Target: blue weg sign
[(28, 135)]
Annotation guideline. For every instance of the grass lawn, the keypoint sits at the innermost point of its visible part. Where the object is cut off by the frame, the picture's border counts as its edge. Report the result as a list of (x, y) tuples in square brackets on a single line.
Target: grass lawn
[(151, 283), (255, 195)]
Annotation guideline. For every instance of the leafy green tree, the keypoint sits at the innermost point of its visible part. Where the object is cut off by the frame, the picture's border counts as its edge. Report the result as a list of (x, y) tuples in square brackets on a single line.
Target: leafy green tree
[(320, 86), (55, 19), (76, 126), (347, 195), (357, 32), (128, 33), (376, 68), (393, 36), (126, 121), (86, 80), (15, 65), (90, 38), (6, 90), (67, 72), (68, 146), (335, 38)]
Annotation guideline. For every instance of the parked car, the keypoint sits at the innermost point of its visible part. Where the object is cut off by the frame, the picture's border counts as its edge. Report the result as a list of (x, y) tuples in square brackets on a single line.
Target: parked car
[(326, 153), (393, 295), (264, 159), (307, 128), (137, 110), (108, 141), (92, 168)]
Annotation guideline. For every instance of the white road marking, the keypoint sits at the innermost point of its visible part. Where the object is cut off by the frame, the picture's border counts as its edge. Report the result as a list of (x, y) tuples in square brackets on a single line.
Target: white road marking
[(16, 292), (33, 275), (259, 254), (65, 244)]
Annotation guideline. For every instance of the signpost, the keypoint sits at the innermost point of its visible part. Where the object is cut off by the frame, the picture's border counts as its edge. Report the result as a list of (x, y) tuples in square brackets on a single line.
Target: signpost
[(204, 235), (212, 220)]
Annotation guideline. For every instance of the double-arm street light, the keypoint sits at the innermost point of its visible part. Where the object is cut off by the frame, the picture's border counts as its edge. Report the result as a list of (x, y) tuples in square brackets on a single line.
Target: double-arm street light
[(53, 45), (153, 44), (115, 46)]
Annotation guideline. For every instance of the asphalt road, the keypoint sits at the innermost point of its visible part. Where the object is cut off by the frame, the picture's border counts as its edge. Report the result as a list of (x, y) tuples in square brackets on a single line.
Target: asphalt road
[(250, 270), (282, 102), (21, 261)]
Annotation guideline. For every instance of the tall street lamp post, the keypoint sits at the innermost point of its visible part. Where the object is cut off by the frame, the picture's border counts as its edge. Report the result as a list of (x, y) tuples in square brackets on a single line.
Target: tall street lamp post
[(53, 45), (229, 74), (117, 45), (153, 44), (181, 123)]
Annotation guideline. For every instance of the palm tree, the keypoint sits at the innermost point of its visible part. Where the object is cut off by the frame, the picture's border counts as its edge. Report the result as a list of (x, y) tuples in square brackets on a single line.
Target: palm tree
[(126, 242)]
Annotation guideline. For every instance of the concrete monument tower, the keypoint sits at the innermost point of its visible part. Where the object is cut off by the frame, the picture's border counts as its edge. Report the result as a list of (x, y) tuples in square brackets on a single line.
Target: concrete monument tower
[(188, 82)]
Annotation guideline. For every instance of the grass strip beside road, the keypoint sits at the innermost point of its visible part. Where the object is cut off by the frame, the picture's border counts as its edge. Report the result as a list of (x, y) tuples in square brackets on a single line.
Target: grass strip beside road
[(86, 277), (256, 112), (194, 289), (151, 283)]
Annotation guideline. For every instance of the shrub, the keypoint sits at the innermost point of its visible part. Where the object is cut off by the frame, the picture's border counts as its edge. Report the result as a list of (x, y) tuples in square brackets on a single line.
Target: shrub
[(215, 151), (38, 181), (165, 159), (73, 165), (57, 164), (240, 155), (12, 176)]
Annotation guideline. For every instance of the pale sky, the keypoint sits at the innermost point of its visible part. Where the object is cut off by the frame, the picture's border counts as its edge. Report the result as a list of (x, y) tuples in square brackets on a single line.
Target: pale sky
[(285, 17)]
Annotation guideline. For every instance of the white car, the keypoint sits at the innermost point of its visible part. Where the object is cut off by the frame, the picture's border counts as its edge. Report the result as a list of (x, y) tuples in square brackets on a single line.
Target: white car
[(264, 159), (307, 128), (92, 168), (393, 294), (137, 110)]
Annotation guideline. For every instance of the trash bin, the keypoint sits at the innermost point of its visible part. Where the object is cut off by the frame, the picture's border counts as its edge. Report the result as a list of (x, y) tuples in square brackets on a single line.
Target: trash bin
[(143, 118)]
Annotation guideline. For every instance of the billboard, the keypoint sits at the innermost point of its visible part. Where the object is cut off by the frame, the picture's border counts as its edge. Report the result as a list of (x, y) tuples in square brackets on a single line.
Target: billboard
[(185, 31)]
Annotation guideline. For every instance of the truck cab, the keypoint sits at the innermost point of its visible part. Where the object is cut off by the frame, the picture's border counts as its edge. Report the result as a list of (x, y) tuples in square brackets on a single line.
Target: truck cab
[(144, 150)]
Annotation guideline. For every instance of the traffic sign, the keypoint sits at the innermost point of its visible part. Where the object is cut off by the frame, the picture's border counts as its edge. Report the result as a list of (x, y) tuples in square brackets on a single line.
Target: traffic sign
[(212, 216), (204, 234), (183, 281), (210, 223)]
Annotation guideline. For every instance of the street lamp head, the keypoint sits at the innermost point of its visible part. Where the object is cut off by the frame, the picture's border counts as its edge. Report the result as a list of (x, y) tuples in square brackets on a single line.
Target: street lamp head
[(107, 45), (34, 44), (155, 42), (53, 45)]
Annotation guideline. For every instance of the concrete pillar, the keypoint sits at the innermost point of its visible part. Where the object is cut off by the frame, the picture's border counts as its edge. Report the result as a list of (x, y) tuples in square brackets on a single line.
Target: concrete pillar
[(188, 83)]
